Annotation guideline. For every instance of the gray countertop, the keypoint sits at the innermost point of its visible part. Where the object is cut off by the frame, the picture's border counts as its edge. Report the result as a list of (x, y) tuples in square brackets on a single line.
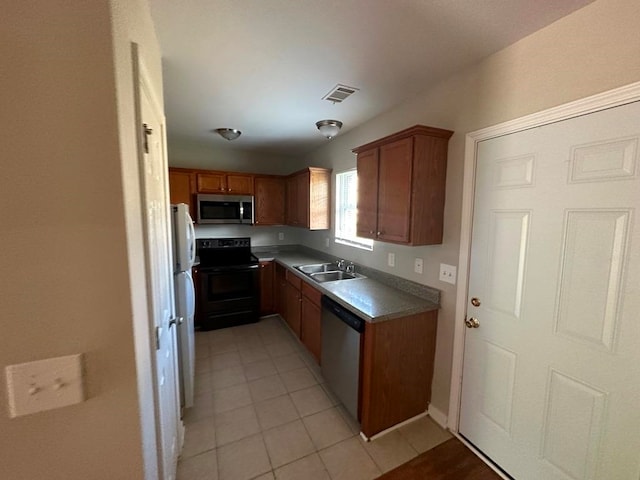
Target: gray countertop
[(366, 297)]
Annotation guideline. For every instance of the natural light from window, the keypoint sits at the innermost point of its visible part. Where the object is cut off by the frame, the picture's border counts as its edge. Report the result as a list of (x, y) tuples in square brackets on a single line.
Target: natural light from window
[(347, 211)]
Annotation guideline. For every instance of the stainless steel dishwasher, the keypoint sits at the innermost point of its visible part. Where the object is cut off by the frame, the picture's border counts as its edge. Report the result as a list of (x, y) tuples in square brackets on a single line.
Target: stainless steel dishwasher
[(341, 332)]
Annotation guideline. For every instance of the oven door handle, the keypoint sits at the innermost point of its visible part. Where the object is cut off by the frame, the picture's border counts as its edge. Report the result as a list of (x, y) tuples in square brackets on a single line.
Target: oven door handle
[(229, 268)]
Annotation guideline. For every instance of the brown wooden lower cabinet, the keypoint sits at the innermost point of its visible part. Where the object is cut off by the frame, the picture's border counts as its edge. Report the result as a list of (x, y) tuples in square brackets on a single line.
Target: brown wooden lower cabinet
[(311, 320), (266, 288), (397, 355), (293, 300), (396, 370), (299, 304), (280, 289)]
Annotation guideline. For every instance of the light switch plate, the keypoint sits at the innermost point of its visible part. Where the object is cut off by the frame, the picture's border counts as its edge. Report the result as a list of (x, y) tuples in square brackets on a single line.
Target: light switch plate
[(327, 242), (44, 384), (280, 235), (391, 259), (448, 273)]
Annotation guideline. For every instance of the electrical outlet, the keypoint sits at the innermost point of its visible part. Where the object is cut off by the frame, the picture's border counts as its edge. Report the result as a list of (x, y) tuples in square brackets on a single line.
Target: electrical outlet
[(448, 273), (417, 265), (280, 235), (391, 259), (327, 242)]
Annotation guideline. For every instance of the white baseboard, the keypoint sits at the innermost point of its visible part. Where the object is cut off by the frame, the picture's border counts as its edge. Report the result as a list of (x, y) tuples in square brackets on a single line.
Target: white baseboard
[(394, 427), (435, 414), (438, 416)]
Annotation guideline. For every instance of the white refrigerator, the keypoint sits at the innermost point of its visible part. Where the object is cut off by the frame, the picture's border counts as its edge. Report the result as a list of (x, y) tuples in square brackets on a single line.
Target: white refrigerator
[(184, 255)]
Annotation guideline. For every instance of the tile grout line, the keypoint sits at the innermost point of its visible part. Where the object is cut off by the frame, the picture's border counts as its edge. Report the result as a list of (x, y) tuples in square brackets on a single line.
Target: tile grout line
[(272, 356), (264, 443), (317, 451)]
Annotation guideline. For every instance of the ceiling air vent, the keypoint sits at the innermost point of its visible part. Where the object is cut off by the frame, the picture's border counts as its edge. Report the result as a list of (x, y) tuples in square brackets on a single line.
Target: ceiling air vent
[(339, 93)]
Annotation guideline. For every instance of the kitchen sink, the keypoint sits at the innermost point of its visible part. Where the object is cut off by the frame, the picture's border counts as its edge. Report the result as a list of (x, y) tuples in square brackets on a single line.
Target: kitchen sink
[(333, 276), (326, 272), (318, 268)]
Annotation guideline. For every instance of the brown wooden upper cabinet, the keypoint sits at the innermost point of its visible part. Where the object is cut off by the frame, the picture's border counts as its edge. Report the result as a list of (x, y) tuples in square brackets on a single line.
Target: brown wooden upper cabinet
[(182, 186), (224, 183), (401, 186), (308, 201), (269, 200), (301, 199)]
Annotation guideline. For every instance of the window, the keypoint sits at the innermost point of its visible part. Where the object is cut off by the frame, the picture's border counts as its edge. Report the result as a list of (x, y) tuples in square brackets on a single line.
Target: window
[(347, 211)]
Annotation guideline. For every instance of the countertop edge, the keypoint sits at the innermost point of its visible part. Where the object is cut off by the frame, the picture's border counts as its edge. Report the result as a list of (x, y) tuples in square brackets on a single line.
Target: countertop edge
[(426, 305)]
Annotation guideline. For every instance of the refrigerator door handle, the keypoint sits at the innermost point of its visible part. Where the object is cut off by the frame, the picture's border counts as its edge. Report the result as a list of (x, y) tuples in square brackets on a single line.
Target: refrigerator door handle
[(191, 239), (191, 297)]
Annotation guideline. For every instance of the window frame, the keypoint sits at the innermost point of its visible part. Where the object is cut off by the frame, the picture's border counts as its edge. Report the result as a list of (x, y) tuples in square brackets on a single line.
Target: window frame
[(340, 235)]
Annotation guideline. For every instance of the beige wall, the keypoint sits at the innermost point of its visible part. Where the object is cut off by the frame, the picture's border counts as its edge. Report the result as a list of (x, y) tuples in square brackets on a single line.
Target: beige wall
[(193, 155), (70, 233), (593, 50)]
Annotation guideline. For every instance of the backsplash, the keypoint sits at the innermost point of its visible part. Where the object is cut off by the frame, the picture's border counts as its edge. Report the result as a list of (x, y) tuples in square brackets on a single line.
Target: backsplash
[(260, 236)]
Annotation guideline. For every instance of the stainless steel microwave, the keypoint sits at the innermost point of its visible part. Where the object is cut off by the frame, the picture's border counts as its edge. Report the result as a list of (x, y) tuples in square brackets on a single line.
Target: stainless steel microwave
[(217, 209)]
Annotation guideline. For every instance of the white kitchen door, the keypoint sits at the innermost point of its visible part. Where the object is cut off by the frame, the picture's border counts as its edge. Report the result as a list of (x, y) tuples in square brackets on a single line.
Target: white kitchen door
[(159, 267), (551, 376)]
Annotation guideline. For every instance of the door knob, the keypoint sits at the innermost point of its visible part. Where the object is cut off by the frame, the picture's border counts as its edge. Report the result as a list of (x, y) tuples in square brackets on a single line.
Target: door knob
[(475, 302), (175, 321), (472, 322)]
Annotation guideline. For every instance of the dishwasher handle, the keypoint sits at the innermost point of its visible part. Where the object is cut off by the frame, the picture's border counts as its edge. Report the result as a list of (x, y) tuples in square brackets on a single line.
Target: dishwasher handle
[(343, 314)]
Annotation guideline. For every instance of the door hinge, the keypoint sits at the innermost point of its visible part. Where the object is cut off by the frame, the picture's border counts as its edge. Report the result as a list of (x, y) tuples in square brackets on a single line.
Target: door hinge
[(146, 130)]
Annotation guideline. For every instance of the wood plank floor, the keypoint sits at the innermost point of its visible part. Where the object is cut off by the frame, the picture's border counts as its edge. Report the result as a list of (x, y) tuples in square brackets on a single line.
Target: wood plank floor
[(450, 460)]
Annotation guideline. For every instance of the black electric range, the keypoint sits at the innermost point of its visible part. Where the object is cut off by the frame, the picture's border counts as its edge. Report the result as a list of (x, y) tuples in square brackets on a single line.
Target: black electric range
[(228, 285)]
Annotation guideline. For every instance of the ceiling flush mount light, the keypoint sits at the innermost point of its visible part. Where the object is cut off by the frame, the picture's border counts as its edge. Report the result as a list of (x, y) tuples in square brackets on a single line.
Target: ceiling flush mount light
[(228, 133), (329, 128)]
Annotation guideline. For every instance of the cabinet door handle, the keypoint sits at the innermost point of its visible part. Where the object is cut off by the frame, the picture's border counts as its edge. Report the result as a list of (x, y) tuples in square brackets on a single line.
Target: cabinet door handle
[(378, 233)]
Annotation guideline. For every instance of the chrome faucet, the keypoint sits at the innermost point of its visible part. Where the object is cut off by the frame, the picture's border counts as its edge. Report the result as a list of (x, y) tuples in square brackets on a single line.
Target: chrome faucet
[(340, 263), (351, 268)]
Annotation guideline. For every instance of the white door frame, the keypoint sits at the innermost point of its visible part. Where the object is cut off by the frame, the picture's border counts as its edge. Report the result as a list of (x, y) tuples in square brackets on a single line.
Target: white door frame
[(601, 101), (142, 80)]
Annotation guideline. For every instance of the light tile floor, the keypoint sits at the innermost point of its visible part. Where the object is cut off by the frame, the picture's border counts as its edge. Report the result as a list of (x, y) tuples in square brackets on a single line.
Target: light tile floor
[(262, 411)]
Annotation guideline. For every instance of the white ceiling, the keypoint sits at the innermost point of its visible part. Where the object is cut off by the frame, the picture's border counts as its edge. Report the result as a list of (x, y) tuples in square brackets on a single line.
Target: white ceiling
[(263, 66)]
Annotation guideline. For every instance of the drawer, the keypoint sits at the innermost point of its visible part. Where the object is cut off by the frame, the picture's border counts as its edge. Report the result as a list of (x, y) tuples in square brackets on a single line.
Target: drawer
[(311, 293), (293, 279)]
